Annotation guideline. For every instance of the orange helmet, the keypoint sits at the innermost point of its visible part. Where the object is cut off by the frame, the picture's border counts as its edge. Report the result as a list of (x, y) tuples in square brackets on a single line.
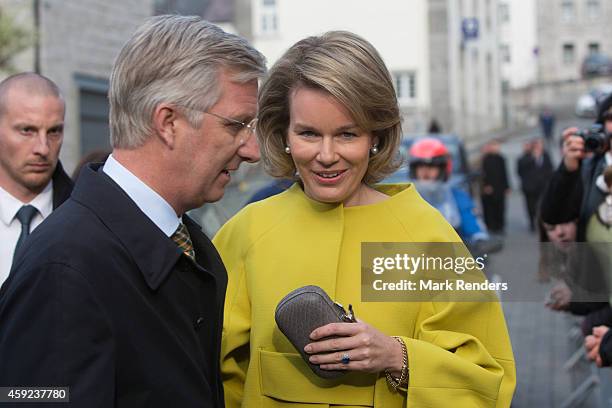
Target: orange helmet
[(430, 152)]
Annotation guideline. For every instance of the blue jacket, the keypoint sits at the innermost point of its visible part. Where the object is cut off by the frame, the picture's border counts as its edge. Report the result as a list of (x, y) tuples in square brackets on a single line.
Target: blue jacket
[(471, 229)]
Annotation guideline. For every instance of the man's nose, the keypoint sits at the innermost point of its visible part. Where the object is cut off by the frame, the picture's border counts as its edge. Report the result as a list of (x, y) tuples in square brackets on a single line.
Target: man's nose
[(249, 151), (41, 144)]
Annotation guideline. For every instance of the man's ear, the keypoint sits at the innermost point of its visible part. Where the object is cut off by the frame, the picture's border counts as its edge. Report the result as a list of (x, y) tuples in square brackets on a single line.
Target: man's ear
[(165, 124)]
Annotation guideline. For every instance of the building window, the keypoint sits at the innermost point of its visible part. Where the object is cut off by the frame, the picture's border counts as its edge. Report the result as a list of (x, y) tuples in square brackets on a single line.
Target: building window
[(569, 54), (93, 113), (593, 48), (405, 86), (593, 9), (269, 17), (504, 12), (504, 51), (567, 11)]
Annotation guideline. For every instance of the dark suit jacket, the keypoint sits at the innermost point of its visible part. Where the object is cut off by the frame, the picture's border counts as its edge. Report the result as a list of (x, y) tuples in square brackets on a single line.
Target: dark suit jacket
[(534, 176), (108, 305), (62, 185), (494, 173)]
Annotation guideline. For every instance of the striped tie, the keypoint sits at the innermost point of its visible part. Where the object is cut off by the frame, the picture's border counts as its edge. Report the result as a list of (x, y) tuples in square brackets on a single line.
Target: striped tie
[(183, 240)]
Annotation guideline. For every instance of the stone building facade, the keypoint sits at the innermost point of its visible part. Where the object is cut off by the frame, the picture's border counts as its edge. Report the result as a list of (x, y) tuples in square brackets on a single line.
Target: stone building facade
[(567, 31), (78, 41)]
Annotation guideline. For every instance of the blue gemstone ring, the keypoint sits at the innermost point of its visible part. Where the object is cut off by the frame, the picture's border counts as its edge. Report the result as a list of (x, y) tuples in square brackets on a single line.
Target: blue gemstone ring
[(346, 358)]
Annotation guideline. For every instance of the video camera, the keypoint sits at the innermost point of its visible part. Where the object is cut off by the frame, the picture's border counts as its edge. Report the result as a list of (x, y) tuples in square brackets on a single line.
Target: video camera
[(595, 138)]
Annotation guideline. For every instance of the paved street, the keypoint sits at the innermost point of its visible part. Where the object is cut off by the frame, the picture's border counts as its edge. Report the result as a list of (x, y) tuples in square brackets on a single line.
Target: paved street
[(541, 338)]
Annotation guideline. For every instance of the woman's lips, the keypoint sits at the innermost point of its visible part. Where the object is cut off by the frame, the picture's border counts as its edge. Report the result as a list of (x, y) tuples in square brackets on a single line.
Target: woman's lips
[(329, 177)]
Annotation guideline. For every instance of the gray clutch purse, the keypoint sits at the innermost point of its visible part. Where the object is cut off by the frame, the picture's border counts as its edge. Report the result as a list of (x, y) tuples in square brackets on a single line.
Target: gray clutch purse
[(302, 311)]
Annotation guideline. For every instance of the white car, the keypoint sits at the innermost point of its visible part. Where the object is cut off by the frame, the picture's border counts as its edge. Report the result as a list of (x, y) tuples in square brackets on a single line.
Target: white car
[(586, 106)]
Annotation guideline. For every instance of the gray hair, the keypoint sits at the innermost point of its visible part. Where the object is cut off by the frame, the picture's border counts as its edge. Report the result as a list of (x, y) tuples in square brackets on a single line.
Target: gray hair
[(174, 59)]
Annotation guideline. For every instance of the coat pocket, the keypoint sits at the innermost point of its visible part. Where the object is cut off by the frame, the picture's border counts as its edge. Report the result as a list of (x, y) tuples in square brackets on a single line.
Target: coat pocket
[(286, 377)]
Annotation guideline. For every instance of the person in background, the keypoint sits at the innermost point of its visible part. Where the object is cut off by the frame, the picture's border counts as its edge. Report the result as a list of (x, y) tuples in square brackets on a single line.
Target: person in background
[(547, 125), (430, 169), (434, 126), (577, 185), (599, 235), (272, 188), (32, 180), (494, 187), (534, 168), (599, 346), (578, 189), (122, 297), (334, 128)]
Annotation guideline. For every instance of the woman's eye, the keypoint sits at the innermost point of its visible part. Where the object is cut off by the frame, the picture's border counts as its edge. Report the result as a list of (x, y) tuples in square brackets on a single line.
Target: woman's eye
[(349, 135), (307, 133)]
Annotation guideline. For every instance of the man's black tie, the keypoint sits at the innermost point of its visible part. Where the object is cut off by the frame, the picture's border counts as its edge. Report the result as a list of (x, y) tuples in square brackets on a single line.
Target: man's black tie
[(24, 215)]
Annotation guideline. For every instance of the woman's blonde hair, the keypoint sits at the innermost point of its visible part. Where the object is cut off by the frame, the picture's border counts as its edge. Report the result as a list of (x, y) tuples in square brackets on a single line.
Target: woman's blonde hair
[(351, 70)]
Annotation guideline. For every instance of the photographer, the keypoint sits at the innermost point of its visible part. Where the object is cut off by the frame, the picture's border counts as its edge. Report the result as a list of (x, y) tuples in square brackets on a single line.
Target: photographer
[(578, 187), (575, 186)]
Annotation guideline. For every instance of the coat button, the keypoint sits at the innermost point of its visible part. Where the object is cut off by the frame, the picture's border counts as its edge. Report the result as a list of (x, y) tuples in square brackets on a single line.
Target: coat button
[(198, 323)]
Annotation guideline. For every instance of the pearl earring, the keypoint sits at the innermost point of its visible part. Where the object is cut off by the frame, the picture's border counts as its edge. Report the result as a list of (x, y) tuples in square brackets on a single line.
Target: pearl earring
[(374, 149), (287, 150)]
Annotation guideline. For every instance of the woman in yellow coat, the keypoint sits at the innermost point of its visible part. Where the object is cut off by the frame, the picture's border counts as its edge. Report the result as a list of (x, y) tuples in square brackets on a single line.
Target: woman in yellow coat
[(328, 114)]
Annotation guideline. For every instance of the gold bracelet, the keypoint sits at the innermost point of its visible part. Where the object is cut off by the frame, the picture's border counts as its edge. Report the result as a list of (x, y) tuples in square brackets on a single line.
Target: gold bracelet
[(395, 382)]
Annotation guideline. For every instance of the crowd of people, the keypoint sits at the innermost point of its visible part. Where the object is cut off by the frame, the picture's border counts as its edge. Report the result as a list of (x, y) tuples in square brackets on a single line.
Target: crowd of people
[(117, 293), (111, 289), (576, 216)]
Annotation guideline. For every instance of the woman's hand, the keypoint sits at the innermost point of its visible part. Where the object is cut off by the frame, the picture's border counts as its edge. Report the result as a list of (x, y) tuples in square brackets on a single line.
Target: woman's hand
[(561, 296), (368, 349)]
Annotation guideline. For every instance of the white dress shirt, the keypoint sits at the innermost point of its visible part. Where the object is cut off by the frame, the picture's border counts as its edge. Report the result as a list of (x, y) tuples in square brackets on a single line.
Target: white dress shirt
[(149, 202), (10, 227)]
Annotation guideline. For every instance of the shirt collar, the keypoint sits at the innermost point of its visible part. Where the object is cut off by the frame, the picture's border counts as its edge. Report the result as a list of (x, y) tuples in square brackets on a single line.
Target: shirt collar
[(149, 202), (9, 205)]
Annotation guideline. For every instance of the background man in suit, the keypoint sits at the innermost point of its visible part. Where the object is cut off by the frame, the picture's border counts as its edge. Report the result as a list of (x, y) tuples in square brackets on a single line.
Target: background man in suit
[(495, 187), (32, 181), (123, 301), (534, 168)]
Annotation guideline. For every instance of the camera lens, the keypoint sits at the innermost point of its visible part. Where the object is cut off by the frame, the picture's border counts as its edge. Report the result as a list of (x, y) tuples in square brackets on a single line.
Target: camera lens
[(592, 143)]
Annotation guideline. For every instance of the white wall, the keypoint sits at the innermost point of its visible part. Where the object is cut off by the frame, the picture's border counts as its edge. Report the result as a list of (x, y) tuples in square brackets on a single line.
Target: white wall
[(398, 30), (520, 34), (474, 82)]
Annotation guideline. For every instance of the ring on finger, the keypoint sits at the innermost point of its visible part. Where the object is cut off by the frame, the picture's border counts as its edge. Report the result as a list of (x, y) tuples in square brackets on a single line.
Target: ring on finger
[(346, 358)]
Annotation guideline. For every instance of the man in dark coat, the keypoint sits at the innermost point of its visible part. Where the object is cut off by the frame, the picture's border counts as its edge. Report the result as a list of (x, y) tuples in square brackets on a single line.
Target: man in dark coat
[(534, 168), (494, 188), (122, 301), (32, 181)]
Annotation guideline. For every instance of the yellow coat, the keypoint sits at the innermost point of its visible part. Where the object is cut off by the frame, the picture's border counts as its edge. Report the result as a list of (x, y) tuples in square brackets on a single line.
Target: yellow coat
[(459, 354)]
